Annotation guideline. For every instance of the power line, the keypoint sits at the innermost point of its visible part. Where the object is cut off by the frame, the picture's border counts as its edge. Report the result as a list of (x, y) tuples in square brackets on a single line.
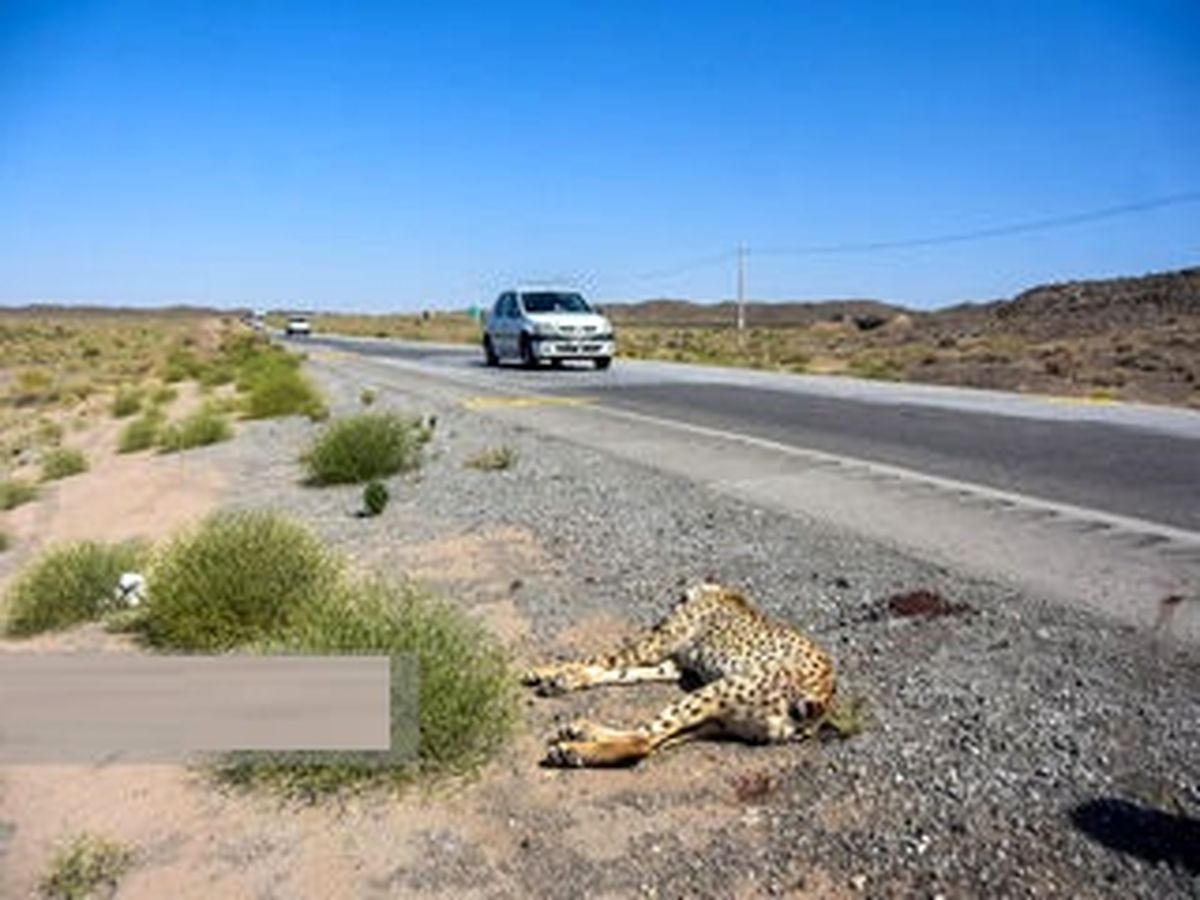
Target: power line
[(1031, 225), (1047, 224), (704, 262)]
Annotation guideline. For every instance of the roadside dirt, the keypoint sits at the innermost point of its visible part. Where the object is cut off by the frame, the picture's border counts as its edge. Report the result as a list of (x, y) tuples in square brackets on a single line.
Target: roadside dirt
[(195, 840), (984, 728)]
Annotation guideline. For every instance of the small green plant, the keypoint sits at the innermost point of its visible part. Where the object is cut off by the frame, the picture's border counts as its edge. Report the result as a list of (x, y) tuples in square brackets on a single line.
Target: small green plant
[(467, 700), (126, 402), (68, 584), (845, 717), (63, 462), (142, 432), (5, 541), (363, 447), (203, 427), (494, 459), (237, 578), (367, 396), (14, 493), (375, 498), (84, 866)]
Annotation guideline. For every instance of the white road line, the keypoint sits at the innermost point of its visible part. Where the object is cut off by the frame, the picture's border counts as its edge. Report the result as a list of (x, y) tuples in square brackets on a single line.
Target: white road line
[(1066, 510)]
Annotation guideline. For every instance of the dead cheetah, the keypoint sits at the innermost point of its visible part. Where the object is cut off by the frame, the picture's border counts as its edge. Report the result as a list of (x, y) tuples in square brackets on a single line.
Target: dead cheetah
[(760, 679)]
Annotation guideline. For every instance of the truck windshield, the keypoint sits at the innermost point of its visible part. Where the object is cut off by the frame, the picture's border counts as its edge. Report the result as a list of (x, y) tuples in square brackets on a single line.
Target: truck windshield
[(552, 301)]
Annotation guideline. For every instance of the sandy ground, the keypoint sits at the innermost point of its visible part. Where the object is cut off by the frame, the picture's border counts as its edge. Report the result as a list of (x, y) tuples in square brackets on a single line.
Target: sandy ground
[(194, 840), (121, 496)]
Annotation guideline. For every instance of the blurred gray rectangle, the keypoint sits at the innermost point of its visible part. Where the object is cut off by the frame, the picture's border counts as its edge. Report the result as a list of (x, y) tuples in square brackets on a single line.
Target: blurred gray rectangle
[(108, 707)]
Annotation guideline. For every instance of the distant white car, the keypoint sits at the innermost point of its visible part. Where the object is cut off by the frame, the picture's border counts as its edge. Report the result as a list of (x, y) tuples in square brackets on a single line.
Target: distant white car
[(297, 325), (534, 325)]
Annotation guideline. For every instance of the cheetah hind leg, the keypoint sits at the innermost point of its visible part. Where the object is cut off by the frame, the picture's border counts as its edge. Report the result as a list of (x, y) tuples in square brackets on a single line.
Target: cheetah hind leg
[(585, 744)]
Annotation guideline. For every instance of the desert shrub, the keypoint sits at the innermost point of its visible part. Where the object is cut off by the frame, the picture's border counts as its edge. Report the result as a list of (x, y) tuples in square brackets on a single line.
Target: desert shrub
[(375, 498), (14, 493), (493, 459), (876, 369), (236, 578), (49, 432), (68, 584), (365, 446), (5, 541), (84, 867), (217, 373), (126, 402), (164, 395), (34, 387), (141, 433), (274, 385), (467, 701), (367, 396), (63, 462), (181, 364), (203, 427)]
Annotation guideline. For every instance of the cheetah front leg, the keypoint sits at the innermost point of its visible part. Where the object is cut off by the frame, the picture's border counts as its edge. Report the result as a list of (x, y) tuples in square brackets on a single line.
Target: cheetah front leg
[(645, 658), (705, 710), (560, 678)]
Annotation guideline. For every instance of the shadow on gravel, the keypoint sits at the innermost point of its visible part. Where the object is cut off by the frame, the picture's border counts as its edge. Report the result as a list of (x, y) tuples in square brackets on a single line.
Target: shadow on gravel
[(1143, 832)]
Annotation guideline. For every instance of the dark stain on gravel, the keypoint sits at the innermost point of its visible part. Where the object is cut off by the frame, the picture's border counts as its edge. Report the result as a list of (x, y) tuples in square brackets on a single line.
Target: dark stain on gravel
[(923, 604)]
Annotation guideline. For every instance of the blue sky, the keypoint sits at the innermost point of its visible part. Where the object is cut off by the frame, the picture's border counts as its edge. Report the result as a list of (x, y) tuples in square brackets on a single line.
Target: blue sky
[(395, 156)]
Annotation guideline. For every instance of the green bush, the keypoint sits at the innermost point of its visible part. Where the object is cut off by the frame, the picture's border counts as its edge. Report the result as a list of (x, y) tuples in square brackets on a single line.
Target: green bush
[(63, 462), (236, 578), (203, 427), (128, 400), (274, 386), (85, 866), (14, 493), (141, 433), (5, 540), (365, 446), (69, 584), (467, 700), (367, 396), (375, 498)]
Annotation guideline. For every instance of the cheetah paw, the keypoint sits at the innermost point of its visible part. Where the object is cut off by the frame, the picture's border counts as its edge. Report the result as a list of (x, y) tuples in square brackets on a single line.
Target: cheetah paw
[(579, 730), (564, 755)]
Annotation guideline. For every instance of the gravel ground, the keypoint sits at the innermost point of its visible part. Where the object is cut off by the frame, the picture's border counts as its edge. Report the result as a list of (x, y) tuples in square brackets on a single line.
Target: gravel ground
[(1012, 748)]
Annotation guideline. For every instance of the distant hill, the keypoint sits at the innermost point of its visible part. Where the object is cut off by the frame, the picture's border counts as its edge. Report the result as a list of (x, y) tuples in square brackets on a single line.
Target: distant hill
[(1074, 308), (1128, 338), (1071, 308), (775, 314)]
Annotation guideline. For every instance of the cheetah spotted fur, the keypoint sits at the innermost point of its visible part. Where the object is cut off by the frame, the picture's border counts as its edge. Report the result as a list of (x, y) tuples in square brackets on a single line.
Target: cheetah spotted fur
[(760, 680)]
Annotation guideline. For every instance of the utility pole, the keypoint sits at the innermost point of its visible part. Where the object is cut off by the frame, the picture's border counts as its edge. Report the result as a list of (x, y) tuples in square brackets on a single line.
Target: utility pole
[(741, 288)]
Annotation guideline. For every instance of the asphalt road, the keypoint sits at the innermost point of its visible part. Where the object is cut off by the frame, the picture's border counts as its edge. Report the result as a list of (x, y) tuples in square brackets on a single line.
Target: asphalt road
[(1141, 462)]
